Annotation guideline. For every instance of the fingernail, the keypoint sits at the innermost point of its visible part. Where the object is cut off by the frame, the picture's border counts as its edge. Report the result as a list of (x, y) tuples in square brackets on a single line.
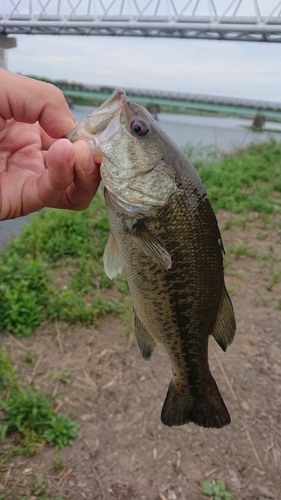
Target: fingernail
[(89, 166)]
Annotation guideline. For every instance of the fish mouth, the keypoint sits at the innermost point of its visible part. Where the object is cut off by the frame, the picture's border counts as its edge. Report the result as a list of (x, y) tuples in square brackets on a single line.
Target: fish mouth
[(102, 124)]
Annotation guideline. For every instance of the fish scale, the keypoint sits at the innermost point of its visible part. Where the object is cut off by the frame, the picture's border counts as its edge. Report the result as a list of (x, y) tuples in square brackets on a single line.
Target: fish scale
[(173, 305), (165, 236)]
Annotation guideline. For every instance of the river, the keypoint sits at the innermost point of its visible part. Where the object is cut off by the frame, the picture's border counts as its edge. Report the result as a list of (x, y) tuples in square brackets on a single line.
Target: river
[(224, 133)]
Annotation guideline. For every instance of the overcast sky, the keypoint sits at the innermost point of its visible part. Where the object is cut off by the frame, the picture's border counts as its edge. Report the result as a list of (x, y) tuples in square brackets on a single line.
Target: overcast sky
[(236, 69)]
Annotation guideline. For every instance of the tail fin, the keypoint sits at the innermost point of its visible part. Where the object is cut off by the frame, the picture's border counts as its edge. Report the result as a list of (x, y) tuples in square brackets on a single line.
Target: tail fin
[(205, 410)]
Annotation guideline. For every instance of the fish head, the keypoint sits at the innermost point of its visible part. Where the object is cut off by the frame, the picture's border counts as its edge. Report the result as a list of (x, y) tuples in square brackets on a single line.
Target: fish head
[(129, 142)]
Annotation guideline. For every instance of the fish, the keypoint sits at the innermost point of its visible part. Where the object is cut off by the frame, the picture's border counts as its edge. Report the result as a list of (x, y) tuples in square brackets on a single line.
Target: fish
[(165, 236)]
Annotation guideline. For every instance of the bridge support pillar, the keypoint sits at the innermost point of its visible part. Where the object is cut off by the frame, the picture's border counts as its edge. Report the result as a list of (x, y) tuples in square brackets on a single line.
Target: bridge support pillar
[(6, 43)]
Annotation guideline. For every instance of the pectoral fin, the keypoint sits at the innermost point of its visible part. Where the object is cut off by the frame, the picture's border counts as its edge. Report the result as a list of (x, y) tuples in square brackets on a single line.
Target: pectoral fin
[(151, 246), (225, 325), (112, 258), (145, 341)]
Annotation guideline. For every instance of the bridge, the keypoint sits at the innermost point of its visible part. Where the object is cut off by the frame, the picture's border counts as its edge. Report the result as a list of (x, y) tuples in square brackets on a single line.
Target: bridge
[(153, 100), (239, 20)]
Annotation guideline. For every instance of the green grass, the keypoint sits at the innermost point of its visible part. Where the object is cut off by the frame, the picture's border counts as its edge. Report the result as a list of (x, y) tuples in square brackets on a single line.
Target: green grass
[(54, 271), (30, 357), (274, 279), (248, 180), (25, 410), (216, 490)]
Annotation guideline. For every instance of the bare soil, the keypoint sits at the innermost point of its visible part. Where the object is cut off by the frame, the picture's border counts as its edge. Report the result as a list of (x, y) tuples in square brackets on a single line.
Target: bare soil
[(122, 450)]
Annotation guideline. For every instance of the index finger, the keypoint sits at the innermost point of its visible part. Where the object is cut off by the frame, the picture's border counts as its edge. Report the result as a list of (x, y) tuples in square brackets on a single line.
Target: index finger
[(28, 100)]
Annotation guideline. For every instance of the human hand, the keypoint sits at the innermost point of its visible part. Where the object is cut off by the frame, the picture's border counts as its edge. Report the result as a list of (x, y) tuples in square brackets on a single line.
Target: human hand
[(37, 167)]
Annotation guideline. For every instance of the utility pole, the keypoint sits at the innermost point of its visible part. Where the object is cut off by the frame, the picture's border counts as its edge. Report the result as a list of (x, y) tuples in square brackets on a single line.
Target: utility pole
[(6, 43)]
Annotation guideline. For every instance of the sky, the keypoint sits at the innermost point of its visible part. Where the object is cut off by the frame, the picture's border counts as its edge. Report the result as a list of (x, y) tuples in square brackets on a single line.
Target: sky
[(235, 69)]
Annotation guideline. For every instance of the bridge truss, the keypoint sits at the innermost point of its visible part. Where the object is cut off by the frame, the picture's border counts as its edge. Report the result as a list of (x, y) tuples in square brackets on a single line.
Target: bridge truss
[(243, 20)]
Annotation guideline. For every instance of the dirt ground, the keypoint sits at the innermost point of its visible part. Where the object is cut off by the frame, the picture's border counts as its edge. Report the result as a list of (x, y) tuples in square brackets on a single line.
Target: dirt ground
[(122, 450)]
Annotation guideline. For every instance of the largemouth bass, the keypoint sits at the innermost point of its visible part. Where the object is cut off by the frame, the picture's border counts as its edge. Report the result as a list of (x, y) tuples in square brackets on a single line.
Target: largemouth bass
[(164, 234)]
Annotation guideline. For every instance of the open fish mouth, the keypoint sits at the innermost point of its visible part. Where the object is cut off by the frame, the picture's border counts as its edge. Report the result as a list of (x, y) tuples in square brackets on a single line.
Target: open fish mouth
[(103, 124)]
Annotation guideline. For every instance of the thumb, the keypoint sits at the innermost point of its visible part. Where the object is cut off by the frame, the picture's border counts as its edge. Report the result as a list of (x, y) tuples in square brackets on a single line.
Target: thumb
[(59, 173)]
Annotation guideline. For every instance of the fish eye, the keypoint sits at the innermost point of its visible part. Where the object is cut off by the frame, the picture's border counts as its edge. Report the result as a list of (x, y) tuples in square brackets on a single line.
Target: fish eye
[(140, 127)]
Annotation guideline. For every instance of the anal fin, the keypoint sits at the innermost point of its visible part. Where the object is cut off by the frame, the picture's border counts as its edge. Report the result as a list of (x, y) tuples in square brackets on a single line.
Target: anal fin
[(225, 326), (145, 340)]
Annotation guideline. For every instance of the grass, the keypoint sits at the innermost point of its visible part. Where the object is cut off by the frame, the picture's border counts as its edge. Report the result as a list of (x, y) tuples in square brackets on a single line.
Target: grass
[(54, 271), (247, 184), (36, 490), (30, 413), (247, 180), (216, 490)]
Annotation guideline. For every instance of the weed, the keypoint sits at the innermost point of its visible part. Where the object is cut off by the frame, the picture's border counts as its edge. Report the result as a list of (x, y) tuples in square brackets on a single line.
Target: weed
[(8, 378), (37, 484), (57, 463), (61, 430), (117, 348), (23, 293), (29, 357), (67, 305), (227, 263), (37, 491), (29, 266), (243, 250), (262, 236), (122, 283), (25, 409), (30, 413), (240, 272), (65, 377), (216, 490), (236, 221), (274, 280), (126, 404), (264, 299), (248, 180)]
